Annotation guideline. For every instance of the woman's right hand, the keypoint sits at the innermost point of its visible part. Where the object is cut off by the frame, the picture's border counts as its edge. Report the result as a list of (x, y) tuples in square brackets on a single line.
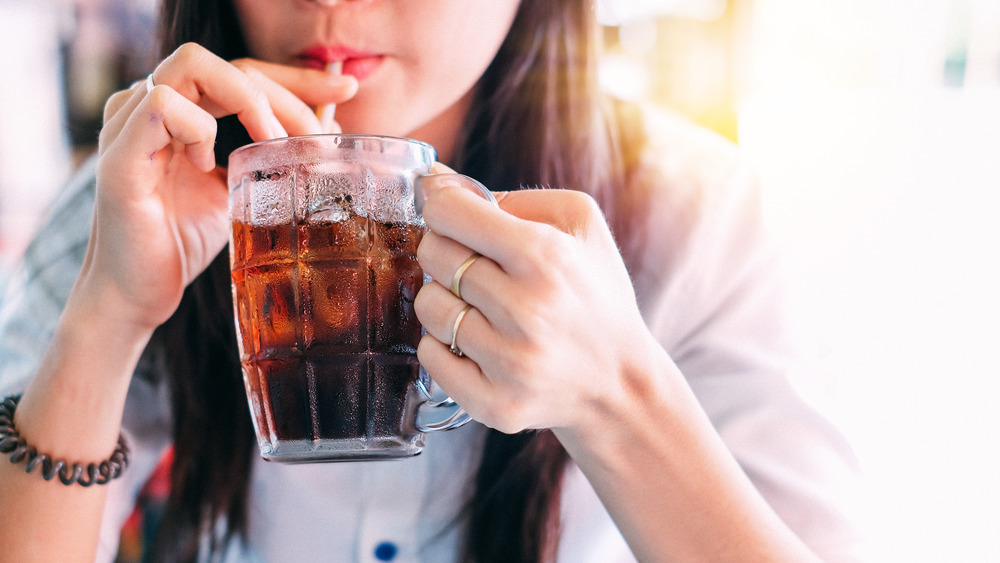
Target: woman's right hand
[(160, 217), (161, 207)]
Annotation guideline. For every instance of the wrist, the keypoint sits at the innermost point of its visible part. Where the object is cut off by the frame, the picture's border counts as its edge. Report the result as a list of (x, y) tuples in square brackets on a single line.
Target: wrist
[(96, 473), (665, 475), (96, 304), (641, 393), (72, 408)]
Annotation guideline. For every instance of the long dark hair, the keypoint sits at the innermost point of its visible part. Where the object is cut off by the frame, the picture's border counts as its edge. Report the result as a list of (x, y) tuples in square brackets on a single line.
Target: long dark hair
[(537, 120)]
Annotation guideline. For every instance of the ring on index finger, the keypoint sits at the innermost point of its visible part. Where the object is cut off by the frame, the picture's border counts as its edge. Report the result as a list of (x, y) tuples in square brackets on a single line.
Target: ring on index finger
[(149, 83), (456, 280)]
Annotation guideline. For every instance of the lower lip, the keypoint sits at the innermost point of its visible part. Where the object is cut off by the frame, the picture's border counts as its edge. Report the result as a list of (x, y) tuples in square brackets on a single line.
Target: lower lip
[(359, 67)]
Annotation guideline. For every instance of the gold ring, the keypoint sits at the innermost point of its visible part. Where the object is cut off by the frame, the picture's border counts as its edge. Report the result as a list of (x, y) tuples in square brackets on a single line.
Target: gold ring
[(149, 83), (454, 332), (457, 278)]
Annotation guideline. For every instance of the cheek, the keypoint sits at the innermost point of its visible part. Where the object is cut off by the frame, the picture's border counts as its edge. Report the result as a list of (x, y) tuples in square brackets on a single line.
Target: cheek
[(457, 47), (409, 95), (438, 63), (449, 69), (251, 16), (268, 29)]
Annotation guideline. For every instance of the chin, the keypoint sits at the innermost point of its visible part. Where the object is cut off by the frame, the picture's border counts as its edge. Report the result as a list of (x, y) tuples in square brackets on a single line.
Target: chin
[(364, 122), (376, 119), (368, 128)]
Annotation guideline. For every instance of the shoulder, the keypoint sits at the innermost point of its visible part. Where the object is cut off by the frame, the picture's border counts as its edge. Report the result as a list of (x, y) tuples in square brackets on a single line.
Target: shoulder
[(687, 186), (685, 164), (686, 155)]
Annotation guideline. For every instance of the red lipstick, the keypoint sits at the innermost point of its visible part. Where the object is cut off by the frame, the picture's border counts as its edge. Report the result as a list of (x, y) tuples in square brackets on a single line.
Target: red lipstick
[(356, 62)]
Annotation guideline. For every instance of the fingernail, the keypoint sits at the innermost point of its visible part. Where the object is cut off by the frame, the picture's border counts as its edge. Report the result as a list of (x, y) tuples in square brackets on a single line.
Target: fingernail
[(346, 81), (423, 188), (437, 182), (434, 183), (275, 129)]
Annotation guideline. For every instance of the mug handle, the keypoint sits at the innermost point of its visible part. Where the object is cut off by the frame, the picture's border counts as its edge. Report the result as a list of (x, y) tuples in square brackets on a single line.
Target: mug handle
[(465, 181), (435, 415)]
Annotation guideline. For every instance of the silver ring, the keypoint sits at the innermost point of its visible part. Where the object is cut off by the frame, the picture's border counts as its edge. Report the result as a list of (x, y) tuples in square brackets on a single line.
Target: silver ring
[(149, 83), (457, 278), (454, 332)]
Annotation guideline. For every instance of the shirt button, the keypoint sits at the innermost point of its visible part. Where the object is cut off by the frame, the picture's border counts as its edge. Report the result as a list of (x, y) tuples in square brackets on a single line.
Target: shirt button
[(386, 551)]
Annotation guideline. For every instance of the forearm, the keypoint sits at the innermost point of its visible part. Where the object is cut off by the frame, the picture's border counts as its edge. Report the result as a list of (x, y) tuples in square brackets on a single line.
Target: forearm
[(668, 480), (71, 410)]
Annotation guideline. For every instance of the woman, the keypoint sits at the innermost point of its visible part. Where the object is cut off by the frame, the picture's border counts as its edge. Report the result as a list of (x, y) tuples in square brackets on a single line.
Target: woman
[(652, 360)]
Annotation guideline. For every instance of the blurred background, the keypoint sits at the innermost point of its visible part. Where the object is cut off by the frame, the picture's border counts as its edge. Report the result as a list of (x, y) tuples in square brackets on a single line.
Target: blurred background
[(875, 125)]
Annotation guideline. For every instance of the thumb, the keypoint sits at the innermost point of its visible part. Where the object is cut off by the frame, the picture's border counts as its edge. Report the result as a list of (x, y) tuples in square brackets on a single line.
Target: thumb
[(572, 212), (441, 176)]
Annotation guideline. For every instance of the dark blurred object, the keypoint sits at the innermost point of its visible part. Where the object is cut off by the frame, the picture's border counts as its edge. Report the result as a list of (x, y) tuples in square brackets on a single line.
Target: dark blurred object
[(140, 528), (107, 45), (229, 136)]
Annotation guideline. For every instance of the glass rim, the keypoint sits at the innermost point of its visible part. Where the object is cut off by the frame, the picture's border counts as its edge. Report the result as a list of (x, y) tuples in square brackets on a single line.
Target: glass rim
[(345, 136)]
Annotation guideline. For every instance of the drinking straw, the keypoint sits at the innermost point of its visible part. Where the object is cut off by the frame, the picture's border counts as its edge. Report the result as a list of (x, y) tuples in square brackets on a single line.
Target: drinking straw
[(325, 113)]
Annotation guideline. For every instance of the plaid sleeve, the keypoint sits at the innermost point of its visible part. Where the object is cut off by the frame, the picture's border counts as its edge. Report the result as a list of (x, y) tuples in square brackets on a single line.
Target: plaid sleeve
[(38, 288), (29, 312)]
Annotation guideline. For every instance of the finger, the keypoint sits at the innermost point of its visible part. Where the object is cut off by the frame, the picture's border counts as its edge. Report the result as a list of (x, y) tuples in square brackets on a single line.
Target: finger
[(438, 310), (464, 381), (295, 116), (454, 212), (119, 107), (460, 377), (310, 86), (440, 256), (164, 116), (483, 280), (123, 101), (441, 168), (220, 88), (294, 93), (570, 211), (530, 219)]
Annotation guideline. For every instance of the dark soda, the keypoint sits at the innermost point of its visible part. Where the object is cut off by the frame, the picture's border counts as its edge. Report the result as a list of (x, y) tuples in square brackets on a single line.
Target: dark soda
[(328, 333)]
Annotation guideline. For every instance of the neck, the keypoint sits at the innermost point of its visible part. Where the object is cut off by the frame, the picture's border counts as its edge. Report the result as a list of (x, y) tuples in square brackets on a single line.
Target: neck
[(443, 131)]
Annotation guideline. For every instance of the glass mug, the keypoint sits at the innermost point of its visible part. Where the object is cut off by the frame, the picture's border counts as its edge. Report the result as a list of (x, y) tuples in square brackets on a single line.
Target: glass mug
[(323, 247)]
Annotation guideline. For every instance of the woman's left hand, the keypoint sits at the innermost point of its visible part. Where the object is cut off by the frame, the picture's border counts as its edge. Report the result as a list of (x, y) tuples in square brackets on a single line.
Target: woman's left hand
[(554, 324), (555, 340)]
